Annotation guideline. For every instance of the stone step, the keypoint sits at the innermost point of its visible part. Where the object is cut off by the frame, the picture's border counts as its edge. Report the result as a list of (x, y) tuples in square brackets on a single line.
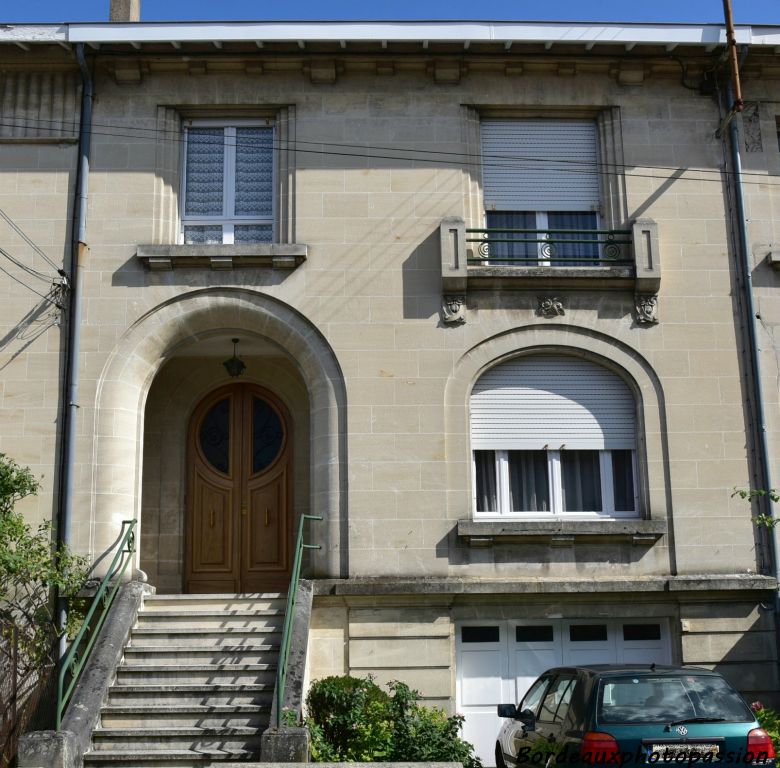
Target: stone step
[(224, 739), (126, 695), (211, 619), (185, 716), (204, 636), (244, 602), (195, 686), (175, 674), (180, 758), (185, 654)]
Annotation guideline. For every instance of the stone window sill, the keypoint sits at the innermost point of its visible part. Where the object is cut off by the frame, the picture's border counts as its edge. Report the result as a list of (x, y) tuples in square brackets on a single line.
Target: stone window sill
[(562, 533), (221, 257)]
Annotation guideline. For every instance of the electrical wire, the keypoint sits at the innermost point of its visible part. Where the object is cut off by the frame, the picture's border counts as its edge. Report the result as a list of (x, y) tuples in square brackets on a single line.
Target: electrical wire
[(466, 159), (29, 242), (30, 270), (30, 288)]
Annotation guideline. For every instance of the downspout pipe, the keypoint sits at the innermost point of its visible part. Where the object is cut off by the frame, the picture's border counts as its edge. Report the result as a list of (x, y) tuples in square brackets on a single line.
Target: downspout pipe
[(764, 473), (78, 254)]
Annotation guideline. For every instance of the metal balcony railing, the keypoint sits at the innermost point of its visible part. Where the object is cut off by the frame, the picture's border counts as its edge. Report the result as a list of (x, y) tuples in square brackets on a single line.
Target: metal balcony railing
[(549, 247)]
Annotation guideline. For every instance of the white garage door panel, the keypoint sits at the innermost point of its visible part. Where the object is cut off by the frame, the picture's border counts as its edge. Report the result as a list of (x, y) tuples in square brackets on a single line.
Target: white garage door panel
[(532, 645), (494, 673), (482, 678), (592, 650), (522, 662), (480, 730)]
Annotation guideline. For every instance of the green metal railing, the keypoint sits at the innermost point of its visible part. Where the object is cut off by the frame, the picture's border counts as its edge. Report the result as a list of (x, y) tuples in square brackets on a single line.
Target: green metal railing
[(74, 661), (292, 596), (550, 247)]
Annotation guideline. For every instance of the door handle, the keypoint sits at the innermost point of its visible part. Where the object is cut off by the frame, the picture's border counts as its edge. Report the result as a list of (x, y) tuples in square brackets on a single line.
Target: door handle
[(211, 517), (266, 517), (243, 509)]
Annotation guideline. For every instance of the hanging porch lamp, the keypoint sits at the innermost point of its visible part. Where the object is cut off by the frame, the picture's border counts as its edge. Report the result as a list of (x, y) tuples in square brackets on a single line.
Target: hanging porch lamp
[(235, 366)]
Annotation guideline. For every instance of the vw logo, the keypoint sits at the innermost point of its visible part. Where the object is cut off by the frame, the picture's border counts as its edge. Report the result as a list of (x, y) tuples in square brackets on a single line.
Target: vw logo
[(682, 730)]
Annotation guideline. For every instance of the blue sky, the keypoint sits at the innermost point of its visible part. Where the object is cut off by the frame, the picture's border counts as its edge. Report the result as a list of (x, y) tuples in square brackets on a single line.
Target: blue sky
[(745, 11)]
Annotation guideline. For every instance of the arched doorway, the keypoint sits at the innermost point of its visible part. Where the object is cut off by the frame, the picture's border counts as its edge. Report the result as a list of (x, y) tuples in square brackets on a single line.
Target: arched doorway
[(239, 492)]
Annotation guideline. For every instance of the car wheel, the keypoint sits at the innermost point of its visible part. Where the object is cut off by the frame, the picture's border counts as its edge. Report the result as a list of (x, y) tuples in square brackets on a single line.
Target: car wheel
[(499, 757)]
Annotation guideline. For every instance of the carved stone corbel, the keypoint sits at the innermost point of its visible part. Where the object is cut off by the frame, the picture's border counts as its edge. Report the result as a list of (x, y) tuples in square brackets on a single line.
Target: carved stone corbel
[(646, 305), (550, 306), (453, 309)]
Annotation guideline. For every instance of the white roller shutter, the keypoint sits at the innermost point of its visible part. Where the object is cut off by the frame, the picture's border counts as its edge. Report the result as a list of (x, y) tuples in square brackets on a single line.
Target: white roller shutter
[(540, 165), (551, 400)]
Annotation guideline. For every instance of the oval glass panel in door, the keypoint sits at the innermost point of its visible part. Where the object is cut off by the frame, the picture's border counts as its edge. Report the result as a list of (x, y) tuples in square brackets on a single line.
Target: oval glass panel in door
[(214, 436), (267, 435)]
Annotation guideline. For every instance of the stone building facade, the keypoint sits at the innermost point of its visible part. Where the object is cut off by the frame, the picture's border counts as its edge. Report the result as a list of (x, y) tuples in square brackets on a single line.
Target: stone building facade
[(523, 442)]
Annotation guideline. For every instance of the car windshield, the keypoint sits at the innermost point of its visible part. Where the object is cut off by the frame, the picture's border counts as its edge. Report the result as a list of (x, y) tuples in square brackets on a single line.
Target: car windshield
[(669, 698)]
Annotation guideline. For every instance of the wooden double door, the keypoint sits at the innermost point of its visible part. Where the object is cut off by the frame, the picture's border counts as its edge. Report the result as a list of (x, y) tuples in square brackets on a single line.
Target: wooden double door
[(239, 499)]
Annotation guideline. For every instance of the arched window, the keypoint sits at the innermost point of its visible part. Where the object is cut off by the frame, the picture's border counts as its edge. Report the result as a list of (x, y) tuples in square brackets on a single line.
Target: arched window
[(553, 436)]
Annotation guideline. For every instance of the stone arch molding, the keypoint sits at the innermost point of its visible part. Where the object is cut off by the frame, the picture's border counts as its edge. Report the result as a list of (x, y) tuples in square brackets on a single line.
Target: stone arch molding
[(142, 350), (652, 448)]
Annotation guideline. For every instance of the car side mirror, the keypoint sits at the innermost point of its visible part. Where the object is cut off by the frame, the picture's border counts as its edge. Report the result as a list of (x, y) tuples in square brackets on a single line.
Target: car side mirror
[(507, 710), (528, 719)]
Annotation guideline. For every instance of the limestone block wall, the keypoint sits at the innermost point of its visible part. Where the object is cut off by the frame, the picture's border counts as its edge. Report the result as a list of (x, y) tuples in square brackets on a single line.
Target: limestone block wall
[(36, 183), (407, 640), (391, 452), (760, 145), (735, 637), (412, 638)]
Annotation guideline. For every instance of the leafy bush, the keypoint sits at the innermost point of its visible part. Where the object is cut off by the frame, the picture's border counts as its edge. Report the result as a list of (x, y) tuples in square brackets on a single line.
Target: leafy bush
[(30, 568), (351, 719), (348, 720), (423, 734)]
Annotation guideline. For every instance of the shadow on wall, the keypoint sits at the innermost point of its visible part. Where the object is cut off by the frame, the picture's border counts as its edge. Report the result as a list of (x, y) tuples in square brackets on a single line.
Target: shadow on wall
[(540, 557), (132, 274), (421, 279), (743, 637), (46, 314)]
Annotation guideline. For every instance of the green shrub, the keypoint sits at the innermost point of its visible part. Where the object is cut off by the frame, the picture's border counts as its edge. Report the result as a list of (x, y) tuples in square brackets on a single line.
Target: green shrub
[(31, 567), (348, 720), (426, 734), (352, 719)]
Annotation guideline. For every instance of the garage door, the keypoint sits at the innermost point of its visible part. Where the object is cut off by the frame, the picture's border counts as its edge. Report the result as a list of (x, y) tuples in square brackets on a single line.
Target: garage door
[(498, 661)]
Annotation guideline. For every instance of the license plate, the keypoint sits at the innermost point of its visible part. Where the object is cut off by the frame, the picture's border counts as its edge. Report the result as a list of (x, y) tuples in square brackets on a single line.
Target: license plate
[(671, 752)]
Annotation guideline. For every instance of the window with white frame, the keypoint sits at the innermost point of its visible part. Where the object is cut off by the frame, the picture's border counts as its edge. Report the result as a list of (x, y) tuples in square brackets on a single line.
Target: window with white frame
[(541, 190), (553, 436), (228, 182)]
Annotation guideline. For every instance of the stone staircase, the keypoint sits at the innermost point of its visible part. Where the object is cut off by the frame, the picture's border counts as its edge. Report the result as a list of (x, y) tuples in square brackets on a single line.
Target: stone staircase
[(195, 685)]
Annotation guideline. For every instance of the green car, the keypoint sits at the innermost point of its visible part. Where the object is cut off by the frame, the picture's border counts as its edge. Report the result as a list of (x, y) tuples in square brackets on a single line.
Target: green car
[(607, 715)]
